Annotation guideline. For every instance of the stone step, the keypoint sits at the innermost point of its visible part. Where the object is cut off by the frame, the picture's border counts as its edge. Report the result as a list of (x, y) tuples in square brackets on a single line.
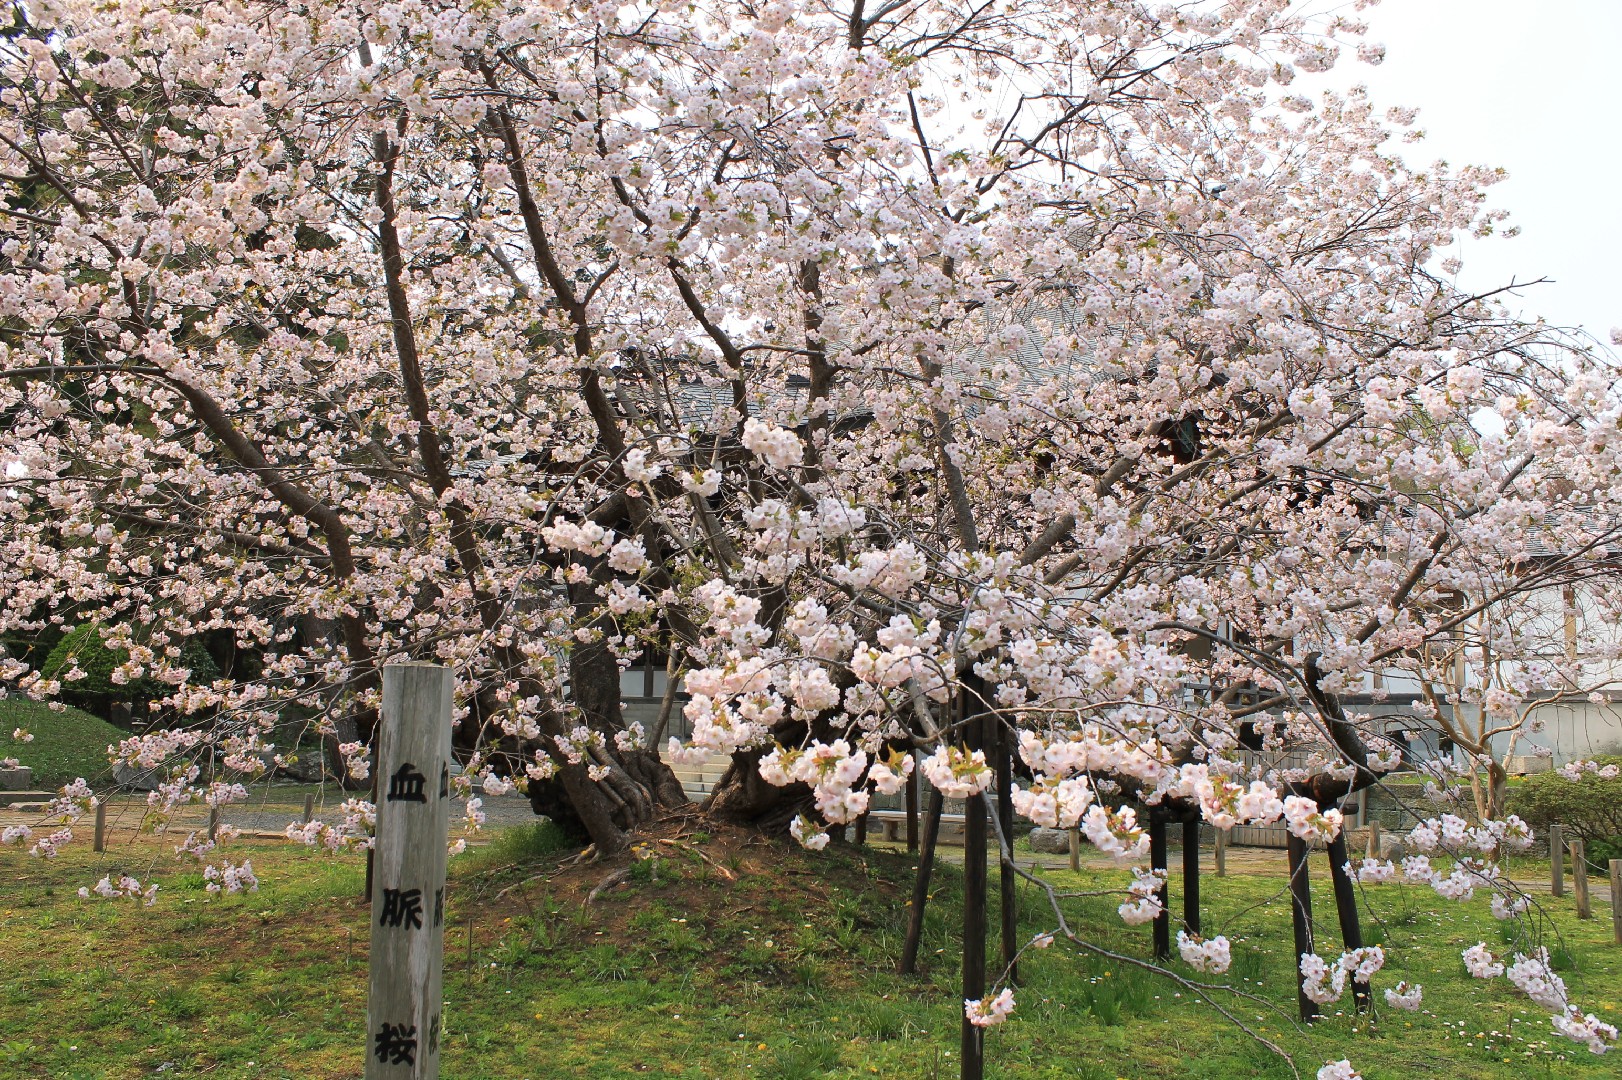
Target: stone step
[(709, 768), (697, 780), (16, 799)]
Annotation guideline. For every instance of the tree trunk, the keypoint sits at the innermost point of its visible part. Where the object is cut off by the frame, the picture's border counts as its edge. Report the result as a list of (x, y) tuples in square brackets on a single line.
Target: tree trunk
[(636, 784)]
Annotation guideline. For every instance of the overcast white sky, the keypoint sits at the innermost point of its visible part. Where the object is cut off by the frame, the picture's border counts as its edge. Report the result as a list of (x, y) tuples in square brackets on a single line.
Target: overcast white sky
[(1534, 86)]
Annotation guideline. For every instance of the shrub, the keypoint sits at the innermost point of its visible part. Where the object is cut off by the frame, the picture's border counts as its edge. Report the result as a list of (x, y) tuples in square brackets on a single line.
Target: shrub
[(94, 693), (1589, 809)]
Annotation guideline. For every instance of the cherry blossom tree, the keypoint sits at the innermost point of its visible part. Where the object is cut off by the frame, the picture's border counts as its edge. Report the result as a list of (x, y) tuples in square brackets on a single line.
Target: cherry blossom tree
[(1492, 689), (892, 367)]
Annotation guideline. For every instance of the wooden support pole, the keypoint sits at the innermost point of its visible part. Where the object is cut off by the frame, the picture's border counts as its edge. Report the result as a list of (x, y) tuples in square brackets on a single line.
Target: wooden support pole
[(1075, 848), (920, 885), (1300, 920), (1157, 861), (1007, 879), (403, 1022), (1191, 875), (972, 1043), (1351, 931), (1222, 852), (1373, 849), (101, 826), (912, 807), (213, 822), (1557, 862), (309, 807), (1616, 899), (1579, 879)]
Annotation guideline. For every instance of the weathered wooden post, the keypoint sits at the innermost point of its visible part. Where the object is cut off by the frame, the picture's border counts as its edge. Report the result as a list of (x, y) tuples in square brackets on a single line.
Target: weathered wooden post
[(1579, 878), (1351, 930), (908, 964), (1191, 875), (1007, 880), (972, 1044), (1373, 849), (309, 807), (1075, 848), (1222, 852), (912, 806), (1300, 919), (403, 1022), (1157, 861), (101, 825), (213, 822), (1557, 862), (1616, 899)]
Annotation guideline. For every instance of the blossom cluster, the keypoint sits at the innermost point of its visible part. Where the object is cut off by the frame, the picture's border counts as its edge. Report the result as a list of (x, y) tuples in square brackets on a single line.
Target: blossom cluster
[(1323, 982), (125, 886), (232, 878), (1575, 770), (1211, 955), (984, 1012)]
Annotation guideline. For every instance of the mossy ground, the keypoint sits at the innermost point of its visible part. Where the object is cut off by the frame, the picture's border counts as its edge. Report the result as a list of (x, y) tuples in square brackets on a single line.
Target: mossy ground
[(727, 955)]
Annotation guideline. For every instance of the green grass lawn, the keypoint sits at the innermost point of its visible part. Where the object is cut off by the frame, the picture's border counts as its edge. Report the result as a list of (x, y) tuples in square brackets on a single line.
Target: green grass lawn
[(67, 744), (761, 961)]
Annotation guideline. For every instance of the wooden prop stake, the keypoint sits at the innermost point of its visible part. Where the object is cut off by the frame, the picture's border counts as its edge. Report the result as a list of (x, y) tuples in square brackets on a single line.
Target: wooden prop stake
[(1579, 879), (1191, 875), (974, 932), (1616, 899), (1557, 861), (920, 885), (912, 807), (1351, 930), (1300, 920), (1157, 861), (1007, 878)]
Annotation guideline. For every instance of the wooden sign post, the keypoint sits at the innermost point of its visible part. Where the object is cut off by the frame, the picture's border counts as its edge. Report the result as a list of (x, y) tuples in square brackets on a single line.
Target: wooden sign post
[(403, 1022)]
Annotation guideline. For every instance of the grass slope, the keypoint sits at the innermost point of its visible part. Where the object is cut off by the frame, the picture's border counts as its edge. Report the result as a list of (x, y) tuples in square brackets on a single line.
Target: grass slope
[(67, 744), (721, 956)]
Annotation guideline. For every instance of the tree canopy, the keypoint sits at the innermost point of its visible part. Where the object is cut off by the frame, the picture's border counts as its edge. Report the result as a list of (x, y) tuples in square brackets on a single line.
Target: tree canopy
[(853, 353)]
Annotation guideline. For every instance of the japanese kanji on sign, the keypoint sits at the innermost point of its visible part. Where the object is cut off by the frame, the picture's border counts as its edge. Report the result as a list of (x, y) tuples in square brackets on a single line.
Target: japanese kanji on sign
[(403, 1021)]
